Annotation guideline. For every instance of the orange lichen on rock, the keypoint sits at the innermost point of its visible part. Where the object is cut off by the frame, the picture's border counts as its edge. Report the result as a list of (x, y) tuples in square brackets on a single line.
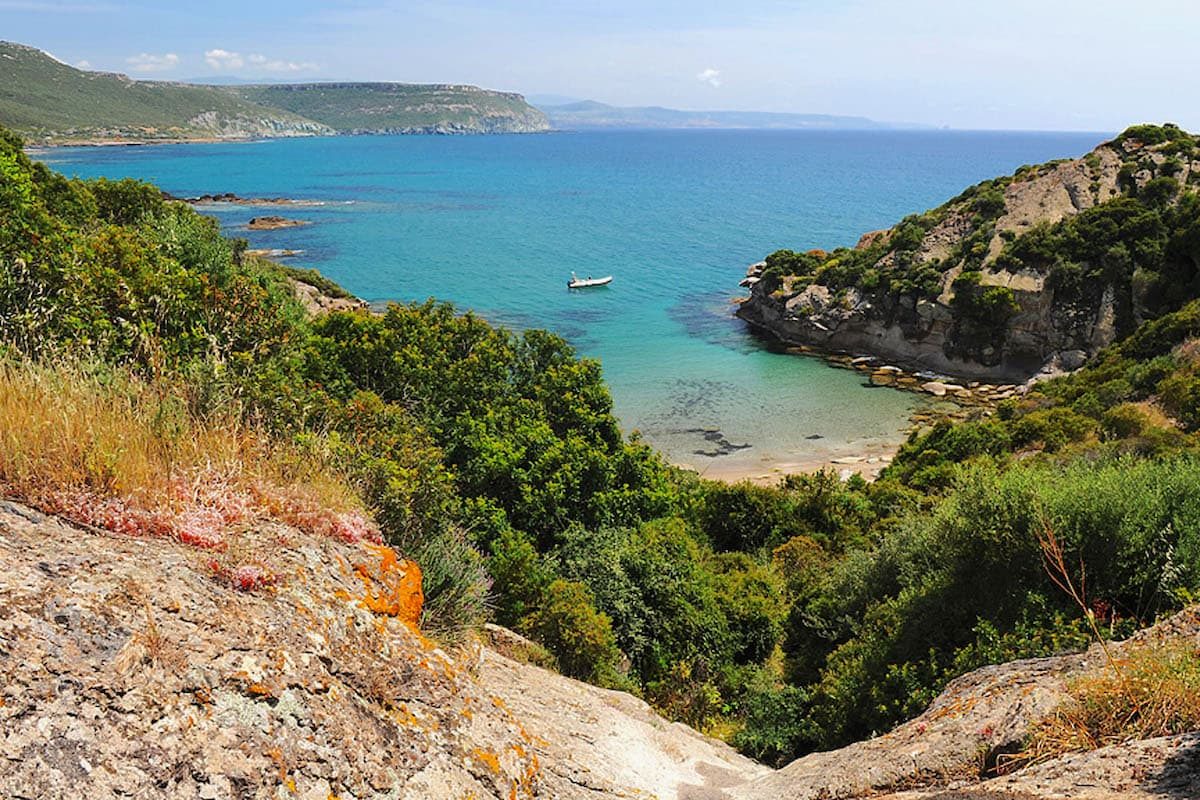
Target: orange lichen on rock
[(393, 588), (489, 760)]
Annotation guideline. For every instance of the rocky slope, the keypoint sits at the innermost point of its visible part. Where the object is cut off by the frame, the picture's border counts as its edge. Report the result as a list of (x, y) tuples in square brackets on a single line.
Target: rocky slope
[(956, 290), (49, 102), (137, 667)]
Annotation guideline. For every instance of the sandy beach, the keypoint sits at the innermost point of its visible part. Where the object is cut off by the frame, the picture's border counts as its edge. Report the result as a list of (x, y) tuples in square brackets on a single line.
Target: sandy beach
[(866, 458)]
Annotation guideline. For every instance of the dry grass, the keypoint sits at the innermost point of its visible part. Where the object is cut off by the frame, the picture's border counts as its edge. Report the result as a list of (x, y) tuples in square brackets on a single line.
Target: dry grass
[(1143, 692), (1156, 692), (118, 453)]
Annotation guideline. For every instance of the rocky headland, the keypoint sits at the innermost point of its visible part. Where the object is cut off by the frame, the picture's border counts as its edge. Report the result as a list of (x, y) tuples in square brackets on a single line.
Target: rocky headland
[(53, 103), (980, 288)]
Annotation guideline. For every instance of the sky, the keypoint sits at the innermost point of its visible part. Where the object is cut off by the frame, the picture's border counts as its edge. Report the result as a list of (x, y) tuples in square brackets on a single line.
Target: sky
[(1091, 65)]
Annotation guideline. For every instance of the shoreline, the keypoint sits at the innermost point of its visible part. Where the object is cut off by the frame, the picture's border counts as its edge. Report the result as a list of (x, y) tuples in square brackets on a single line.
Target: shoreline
[(867, 460), (46, 146)]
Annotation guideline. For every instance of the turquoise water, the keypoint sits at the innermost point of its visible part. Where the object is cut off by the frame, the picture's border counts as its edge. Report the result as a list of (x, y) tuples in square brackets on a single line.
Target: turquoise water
[(497, 223)]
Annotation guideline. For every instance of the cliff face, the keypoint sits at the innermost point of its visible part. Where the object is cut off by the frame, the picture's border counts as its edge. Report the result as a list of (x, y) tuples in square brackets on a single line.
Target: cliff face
[(134, 667), (955, 290)]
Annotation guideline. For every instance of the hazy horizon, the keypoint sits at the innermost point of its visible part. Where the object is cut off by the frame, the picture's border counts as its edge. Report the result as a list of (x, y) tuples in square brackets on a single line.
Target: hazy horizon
[(1015, 65)]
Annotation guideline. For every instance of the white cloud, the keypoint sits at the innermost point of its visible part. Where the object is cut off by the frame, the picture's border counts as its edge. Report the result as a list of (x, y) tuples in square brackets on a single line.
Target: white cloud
[(710, 76), (83, 64), (279, 65), (149, 62), (220, 59)]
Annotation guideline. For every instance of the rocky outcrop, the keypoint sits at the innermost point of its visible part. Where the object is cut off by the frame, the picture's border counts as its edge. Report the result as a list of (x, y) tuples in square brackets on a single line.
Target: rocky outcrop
[(317, 302), (135, 667), (1049, 329), (237, 200), (274, 223)]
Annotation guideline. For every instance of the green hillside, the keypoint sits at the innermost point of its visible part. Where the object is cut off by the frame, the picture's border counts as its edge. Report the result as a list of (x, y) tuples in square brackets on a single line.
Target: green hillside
[(787, 619), (401, 107), (52, 103), (49, 101)]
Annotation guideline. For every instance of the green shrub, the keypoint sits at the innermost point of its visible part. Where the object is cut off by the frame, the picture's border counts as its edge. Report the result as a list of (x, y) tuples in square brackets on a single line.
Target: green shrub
[(775, 725), (1123, 422), (580, 637)]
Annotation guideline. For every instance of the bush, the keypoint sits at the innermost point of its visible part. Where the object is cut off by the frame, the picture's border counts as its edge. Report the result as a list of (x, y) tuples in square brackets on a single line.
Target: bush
[(580, 637), (775, 727), (1159, 191), (1123, 422), (949, 591)]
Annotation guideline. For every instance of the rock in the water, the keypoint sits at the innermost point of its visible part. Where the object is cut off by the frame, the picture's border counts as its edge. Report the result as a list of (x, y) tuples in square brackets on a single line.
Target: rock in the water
[(272, 223)]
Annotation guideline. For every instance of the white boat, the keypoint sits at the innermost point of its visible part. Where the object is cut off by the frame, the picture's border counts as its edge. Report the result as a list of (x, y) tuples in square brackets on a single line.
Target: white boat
[(584, 283)]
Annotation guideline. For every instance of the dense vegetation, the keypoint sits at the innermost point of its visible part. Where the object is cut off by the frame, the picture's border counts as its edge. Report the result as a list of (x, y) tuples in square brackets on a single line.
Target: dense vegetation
[(47, 100), (788, 618)]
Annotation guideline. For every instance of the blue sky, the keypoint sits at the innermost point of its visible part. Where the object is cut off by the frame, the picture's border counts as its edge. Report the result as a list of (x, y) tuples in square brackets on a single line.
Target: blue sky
[(1024, 64)]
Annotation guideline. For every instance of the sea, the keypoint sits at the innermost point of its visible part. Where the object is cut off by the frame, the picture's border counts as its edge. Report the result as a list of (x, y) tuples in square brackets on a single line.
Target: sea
[(497, 224)]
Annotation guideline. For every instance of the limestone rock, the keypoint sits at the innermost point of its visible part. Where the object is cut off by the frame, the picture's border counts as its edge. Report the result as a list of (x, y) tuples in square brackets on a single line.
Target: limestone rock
[(920, 331), (317, 302)]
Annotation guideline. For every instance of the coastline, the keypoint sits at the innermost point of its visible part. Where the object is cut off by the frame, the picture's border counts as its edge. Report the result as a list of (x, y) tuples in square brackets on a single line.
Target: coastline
[(54, 145), (46, 146), (867, 459)]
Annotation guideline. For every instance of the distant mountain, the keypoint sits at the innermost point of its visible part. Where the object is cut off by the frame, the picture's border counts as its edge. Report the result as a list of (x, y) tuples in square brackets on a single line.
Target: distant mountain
[(49, 102), (591, 115), (542, 100)]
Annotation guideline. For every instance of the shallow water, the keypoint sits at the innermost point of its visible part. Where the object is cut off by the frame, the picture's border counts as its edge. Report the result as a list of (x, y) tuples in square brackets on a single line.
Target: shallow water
[(497, 223)]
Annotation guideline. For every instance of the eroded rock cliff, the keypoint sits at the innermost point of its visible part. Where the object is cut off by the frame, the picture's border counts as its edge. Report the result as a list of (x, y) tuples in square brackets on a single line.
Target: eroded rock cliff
[(994, 285)]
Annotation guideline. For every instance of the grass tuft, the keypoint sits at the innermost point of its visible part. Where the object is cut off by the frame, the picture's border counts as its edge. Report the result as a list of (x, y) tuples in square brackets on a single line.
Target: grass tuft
[(1155, 692), (112, 451)]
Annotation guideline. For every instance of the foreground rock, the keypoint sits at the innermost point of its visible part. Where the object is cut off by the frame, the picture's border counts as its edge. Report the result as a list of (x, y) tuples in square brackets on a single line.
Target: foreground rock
[(597, 743), (130, 668), (1156, 769)]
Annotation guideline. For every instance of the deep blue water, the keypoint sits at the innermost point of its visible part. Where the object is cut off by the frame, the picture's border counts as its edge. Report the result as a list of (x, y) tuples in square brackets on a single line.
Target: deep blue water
[(497, 223)]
